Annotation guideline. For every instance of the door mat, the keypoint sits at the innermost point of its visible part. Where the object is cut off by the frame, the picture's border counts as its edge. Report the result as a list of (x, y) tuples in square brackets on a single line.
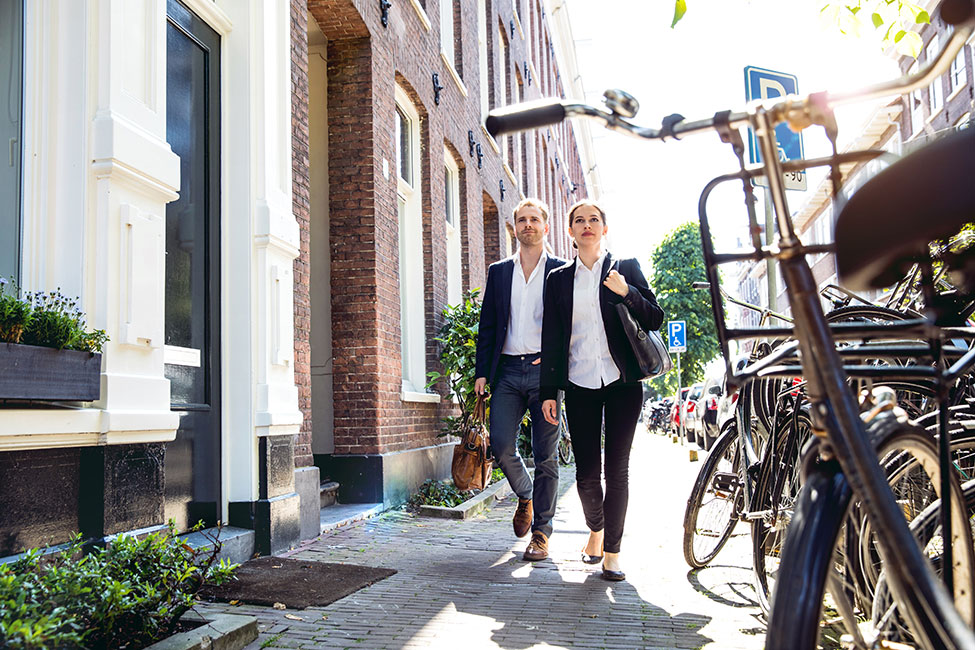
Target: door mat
[(295, 583)]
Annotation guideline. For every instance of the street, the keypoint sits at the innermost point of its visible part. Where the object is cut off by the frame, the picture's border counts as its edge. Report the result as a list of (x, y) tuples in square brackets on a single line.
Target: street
[(464, 583)]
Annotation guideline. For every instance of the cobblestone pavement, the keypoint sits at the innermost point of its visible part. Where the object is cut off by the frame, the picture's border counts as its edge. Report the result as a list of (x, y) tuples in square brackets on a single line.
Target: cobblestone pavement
[(463, 584)]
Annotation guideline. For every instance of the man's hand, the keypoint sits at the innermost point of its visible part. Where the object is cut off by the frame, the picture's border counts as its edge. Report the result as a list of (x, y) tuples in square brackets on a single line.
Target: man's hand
[(480, 384), (548, 410)]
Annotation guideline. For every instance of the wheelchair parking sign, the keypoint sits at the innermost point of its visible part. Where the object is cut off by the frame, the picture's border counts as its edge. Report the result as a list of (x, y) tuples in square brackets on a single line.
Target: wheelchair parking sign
[(677, 336)]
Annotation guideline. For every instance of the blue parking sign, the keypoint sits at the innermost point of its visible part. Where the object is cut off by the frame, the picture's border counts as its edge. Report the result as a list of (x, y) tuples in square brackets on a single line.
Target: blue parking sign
[(677, 335), (761, 84)]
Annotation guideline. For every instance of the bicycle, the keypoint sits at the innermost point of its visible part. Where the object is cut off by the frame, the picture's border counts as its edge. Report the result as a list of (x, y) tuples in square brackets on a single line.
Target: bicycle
[(839, 463)]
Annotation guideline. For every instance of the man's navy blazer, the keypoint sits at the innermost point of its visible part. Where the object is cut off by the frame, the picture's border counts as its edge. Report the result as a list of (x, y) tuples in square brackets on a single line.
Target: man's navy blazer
[(495, 313), (557, 322)]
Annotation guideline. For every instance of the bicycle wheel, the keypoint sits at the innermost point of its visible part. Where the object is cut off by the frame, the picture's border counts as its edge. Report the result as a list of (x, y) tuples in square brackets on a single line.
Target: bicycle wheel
[(774, 500), (715, 500), (816, 581), (565, 442)]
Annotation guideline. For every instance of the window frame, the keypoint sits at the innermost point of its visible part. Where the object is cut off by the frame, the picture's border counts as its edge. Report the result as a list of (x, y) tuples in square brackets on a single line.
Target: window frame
[(447, 8), (452, 223), (16, 214), (411, 260), (936, 98)]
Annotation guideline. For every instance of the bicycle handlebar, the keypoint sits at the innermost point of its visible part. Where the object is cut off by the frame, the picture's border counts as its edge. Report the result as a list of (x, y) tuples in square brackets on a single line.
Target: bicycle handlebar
[(799, 112)]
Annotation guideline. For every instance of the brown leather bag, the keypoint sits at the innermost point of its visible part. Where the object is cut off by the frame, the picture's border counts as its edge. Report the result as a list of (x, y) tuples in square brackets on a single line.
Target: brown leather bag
[(471, 465)]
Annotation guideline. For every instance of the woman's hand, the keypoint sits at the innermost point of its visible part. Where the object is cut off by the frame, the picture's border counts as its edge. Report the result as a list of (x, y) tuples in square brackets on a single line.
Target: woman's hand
[(548, 410), (616, 283)]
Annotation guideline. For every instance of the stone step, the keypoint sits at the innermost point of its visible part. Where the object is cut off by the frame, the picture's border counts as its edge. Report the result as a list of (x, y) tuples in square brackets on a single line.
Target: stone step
[(329, 494)]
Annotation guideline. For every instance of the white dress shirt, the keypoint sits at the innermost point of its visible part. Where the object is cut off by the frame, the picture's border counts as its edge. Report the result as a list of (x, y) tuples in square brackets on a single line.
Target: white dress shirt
[(590, 363), (525, 320)]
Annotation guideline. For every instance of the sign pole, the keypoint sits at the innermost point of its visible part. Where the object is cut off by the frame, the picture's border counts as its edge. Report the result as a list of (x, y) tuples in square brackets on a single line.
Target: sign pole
[(680, 432), (773, 290)]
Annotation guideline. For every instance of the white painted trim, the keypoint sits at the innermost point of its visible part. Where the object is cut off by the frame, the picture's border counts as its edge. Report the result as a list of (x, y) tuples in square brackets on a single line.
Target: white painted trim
[(211, 14), (425, 398), (424, 19), (23, 429), (174, 355), (490, 139), (453, 74), (511, 174)]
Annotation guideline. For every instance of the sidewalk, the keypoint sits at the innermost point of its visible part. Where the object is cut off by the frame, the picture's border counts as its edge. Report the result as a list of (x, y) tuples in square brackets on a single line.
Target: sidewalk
[(463, 584)]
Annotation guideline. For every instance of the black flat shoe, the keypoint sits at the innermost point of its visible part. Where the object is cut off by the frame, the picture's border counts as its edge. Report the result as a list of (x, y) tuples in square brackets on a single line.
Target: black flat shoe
[(591, 559), (613, 576)]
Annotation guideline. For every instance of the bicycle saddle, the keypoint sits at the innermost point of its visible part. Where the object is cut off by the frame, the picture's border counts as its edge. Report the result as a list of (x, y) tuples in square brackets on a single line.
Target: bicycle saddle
[(889, 222)]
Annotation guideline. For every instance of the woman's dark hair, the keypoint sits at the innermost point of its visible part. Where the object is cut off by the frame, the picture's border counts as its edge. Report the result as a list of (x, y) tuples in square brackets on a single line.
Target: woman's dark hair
[(578, 204)]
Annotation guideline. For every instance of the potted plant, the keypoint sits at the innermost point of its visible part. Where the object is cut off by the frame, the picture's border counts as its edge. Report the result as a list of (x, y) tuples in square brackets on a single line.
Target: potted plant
[(46, 350), (458, 347)]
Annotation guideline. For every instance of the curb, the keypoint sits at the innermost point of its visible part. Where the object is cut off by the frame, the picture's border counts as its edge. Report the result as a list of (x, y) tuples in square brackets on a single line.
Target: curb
[(222, 632), (471, 507)]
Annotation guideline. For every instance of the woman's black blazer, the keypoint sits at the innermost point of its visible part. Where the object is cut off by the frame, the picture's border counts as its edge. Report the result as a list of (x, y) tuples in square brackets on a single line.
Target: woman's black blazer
[(557, 321)]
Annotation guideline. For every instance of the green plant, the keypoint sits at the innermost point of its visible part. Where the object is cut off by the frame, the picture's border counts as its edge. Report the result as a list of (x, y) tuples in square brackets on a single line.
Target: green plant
[(15, 314), (50, 320), (458, 352), (438, 493), (127, 595)]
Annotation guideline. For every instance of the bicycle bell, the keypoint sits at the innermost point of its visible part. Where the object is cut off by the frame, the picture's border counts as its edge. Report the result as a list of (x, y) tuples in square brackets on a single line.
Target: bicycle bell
[(621, 102)]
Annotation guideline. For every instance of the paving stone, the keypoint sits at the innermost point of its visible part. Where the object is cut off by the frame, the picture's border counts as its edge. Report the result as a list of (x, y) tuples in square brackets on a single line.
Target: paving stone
[(462, 583)]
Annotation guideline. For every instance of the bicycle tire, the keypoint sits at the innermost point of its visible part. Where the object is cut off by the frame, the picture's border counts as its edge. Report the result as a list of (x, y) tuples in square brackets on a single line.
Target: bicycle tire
[(776, 489), (565, 442), (808, 557), (712, 538)]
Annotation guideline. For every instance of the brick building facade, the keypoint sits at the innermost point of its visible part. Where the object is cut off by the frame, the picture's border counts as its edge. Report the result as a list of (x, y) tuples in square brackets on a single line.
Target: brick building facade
[(395, 107)]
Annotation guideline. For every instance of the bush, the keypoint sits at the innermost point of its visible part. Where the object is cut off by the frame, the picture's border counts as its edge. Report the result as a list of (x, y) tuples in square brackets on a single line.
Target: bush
[(458, 346), (127, 595)]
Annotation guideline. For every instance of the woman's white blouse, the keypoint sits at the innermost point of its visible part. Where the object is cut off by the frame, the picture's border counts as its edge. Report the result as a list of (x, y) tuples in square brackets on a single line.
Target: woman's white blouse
[(590, 363)]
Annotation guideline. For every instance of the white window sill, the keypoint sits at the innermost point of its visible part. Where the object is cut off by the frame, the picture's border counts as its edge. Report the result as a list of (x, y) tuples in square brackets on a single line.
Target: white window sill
[(453, 73), (490, 139), (421, 13), (425, 398)]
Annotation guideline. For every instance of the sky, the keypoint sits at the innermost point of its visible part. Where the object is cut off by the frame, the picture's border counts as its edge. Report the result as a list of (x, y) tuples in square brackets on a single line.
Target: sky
[(697, 69)]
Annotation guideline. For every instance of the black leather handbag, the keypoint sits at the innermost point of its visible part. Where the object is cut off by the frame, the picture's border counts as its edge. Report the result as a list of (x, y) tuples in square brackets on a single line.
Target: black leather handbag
[(651, 352)]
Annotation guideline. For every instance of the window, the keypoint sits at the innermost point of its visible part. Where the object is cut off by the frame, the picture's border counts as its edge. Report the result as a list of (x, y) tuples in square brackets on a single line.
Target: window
[(956, 75), (482, 57), (409, 201), (935, 92), (447, 30), (917, 112), (452, 217), (503, 95), (11, 121)]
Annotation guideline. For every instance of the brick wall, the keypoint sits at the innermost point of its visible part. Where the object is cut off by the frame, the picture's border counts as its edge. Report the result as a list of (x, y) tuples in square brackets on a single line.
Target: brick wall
[(366, 62), (301, 206)]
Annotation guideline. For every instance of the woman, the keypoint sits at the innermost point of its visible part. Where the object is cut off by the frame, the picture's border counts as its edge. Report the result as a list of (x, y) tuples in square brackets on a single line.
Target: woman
[(586, 353)]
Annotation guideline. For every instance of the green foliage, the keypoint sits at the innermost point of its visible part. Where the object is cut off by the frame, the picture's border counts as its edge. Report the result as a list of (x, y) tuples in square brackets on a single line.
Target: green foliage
[(897, 20), (50, 320), (438, 493), (15, 314), (677, 263), (458, 352), (127, 595)]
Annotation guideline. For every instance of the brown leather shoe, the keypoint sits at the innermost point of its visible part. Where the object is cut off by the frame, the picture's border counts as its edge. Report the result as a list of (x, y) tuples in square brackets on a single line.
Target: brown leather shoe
[(522, 520), (537, 548)]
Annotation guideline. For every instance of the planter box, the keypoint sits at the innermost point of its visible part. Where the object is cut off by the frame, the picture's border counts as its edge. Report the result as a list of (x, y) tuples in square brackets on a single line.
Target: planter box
[(477, 503), (32, 372)]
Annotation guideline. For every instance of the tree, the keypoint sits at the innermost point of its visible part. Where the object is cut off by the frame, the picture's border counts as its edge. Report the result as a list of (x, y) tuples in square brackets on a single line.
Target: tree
[(897, 20), (677, 263)]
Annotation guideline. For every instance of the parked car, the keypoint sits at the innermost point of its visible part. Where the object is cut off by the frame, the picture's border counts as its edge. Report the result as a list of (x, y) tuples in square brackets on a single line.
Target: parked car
[(691, 416), (707, 407), (729, 400)]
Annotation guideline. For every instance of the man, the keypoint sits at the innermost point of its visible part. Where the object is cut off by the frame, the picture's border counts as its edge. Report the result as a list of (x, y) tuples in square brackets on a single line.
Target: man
[(509, 343)]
